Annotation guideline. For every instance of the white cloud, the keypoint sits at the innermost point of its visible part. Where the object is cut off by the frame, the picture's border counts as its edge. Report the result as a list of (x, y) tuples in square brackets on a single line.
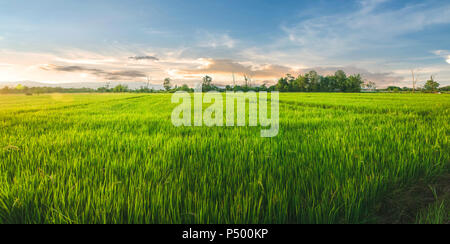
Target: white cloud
[(216, 40), (226, 66), (364, 29), (445, 54)]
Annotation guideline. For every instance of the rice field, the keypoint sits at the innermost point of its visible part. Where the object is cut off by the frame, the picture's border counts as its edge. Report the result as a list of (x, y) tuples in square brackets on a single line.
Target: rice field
[(117, 158)]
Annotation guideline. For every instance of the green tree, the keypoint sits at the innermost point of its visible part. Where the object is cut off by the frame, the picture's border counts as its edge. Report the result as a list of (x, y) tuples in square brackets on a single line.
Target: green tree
[(431, 85), (371, 85), (185, 88), (301, 83), (314, 81), (263, 87), (282, 85), (290, 80), (394, 89), (206, 83), (167, 84), (354, 83), (120, 88), (341, 80), (5, 90), (19, 87)]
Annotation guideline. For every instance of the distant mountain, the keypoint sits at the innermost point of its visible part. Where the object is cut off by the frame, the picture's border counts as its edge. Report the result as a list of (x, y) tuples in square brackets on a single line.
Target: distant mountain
[(92, 85)]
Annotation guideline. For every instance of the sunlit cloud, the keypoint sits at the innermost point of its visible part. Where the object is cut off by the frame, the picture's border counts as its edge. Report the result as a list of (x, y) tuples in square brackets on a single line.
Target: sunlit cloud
[(181, 70), (225, 66)]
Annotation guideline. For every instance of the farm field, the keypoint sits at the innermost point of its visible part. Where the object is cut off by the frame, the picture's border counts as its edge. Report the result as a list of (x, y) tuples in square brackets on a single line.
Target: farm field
[(117, 158)]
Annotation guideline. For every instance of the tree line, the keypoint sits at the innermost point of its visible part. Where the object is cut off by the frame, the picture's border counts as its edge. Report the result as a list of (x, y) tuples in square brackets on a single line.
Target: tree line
[(313, 82), (309, 82)]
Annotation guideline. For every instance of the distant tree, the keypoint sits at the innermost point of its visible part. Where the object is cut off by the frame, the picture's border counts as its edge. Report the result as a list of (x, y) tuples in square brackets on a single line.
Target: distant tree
[(207, 83), (290, 81), (5, 90), (185, 88), (120, 88), (272, 88), (431, 85), (103, 89), (371, 85), (325, 84), (354, 83), (167, 84), (263, 87), (282, 85), (314, 80), (300, 83), (393, 89), (237, 88), (330, 83), (407, 89), (445, 88), (341, 80), (19, 87)]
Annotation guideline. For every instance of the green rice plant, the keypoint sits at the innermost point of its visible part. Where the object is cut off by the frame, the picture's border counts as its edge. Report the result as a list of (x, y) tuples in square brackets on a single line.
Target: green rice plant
[(437, 213), (117, 158)]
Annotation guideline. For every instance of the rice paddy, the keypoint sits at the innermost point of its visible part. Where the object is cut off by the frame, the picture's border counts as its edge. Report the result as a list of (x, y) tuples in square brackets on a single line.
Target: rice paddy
[(117, 158)]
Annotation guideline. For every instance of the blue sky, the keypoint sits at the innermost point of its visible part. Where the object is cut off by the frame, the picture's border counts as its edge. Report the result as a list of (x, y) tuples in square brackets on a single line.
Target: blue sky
[(80, 41)]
